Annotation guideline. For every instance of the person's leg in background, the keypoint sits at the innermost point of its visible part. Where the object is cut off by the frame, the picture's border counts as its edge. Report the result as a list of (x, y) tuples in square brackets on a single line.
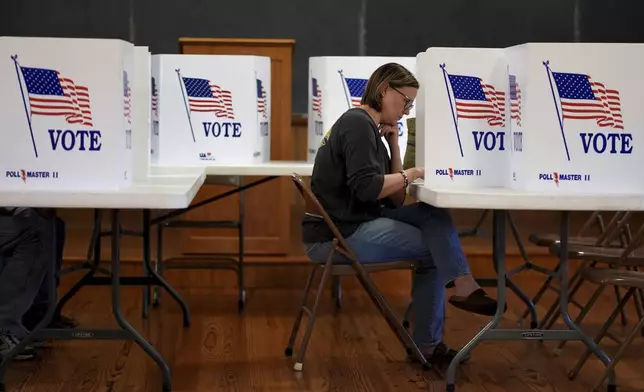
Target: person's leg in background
[(40, 305), (23, 238), (384, 240)]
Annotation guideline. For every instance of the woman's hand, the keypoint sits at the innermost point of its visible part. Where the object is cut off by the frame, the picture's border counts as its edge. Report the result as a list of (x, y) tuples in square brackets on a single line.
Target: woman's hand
[(415, 173), (390, 132)]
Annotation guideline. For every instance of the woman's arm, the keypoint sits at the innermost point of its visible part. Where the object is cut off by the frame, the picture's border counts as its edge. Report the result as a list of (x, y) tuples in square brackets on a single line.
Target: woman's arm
[(394, 183), (398, 197), (364, 177)]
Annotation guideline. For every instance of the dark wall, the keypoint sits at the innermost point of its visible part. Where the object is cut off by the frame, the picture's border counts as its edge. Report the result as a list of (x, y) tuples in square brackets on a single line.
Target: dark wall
[(65, 18), (323, 28), (404, 30), (320, 28)]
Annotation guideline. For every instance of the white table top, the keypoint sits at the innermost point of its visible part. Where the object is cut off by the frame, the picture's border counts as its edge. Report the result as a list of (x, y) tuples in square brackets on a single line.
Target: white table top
[(508, 199), (157, 192), (273, 168)]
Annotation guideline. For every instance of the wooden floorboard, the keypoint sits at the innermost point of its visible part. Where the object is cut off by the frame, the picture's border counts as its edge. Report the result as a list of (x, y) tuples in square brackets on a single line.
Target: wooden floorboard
[(351, 349)]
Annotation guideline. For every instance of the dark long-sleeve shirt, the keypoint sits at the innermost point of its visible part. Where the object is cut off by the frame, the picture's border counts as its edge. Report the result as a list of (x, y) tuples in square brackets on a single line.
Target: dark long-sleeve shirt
[(348, 175)]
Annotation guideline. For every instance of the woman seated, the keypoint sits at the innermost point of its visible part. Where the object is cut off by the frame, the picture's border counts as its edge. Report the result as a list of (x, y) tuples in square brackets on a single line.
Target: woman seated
[(363, 190)]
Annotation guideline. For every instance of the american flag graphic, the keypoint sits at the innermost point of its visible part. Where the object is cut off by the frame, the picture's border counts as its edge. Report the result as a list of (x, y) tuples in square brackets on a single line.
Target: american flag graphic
[(261, 99), (51, 94), (203, 96), (316, 101), (478, 100), (515, 100), (356, 89), (127, 98), (582, 98), (155, 98)]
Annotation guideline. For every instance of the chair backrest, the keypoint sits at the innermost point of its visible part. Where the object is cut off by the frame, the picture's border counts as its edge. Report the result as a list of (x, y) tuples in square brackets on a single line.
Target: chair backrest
[(617, 230), (313, 206)]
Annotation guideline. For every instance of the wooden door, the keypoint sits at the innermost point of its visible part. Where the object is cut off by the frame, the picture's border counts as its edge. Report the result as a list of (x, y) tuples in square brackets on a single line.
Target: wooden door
[(267, 212)]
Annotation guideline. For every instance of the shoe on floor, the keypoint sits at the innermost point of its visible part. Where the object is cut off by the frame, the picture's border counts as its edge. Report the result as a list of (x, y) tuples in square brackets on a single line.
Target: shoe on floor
[(441, 356), (63, 322), (477, 302), (32, 320), (8, 342)]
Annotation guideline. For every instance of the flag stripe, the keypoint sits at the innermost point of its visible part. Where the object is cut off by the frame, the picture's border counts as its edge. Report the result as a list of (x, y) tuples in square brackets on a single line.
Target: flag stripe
[(261, 99), (51, 94), (316, 101), (476, 100), (203, 96), (515, 100), (582, 98)]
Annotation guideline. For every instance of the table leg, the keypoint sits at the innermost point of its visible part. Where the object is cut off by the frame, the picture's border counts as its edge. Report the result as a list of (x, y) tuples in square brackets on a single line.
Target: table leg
[(563, 302), (116, 304), (491, 332), (147, 289), (498, 254), (93, 252), (155, 276), (527, 265)]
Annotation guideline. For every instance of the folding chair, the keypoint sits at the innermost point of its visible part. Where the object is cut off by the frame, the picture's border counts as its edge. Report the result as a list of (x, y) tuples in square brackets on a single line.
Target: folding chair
[(630, 256), (208, 261), (605, 245), (575, 283), (351, 267)]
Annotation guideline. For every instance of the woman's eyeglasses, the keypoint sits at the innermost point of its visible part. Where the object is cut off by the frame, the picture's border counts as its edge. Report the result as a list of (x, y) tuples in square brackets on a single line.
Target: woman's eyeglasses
[(409, 103)]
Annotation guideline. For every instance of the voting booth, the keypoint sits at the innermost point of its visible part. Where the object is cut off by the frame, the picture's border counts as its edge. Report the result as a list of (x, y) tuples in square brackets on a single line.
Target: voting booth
[(337, 84), (66, 113), (462, 123), (211, 109), (141, 111), (578, 123)]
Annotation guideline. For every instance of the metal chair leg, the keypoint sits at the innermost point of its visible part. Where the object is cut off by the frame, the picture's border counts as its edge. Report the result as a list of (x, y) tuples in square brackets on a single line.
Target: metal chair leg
[(618, 355), (336, 292), (158, 265), (600, 335), (582, 315), (618, 297), (299, 357), (575, 284), (298, 319), (241, 300), (406, 316)]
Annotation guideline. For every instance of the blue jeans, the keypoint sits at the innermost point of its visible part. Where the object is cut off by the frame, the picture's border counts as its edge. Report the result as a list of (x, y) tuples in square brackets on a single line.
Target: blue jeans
[(412, 232)]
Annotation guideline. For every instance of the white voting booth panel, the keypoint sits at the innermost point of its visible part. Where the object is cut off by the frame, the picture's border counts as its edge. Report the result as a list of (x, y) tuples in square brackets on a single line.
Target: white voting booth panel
[(212, 109), (141, 114), (580, 120), (336, 84), (420, 114), (66, 113), (463, 118)]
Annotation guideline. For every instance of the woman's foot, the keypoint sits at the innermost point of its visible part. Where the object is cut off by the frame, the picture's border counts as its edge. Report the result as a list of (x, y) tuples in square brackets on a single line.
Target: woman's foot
[(440, 355), (476, 302)]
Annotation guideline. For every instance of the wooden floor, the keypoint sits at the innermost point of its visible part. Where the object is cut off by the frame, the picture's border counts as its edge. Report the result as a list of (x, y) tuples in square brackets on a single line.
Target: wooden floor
[(351, 350)]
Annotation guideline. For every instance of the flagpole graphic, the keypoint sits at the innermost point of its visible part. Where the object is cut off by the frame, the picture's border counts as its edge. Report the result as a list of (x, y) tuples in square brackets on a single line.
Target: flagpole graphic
[(185, 103), (24, 101), (451, 106), (554, 99), (344, 86)]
